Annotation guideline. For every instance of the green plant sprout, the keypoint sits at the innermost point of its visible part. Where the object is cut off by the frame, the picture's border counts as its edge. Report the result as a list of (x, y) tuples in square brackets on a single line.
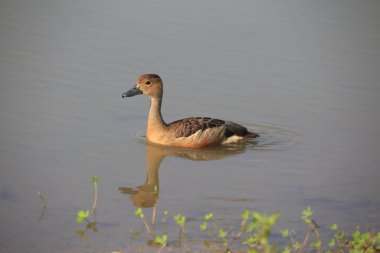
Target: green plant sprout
[(166, 213), (208, 216), (244, 218), (140, 213), (306, 215), (83, 215), (180, 220), (161, 241), (204, 225)]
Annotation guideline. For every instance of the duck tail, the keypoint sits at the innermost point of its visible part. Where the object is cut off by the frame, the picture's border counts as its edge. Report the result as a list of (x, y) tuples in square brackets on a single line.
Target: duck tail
[(252, 135)]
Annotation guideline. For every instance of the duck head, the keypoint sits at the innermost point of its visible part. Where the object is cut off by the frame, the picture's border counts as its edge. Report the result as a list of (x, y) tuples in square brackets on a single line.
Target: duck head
[(148, 84)]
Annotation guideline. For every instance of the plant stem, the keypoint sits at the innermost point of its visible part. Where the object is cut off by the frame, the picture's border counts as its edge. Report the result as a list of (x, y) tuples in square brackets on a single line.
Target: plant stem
[(154, 214), (307, 236), (95, 197), (146, 225)]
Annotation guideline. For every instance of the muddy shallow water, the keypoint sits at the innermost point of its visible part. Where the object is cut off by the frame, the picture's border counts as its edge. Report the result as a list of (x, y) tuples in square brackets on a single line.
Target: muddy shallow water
[(304, 74)]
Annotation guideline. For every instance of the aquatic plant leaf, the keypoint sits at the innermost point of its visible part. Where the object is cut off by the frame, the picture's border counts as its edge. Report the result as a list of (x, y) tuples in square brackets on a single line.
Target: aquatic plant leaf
[(332, 243), (245, 215), (222, 233), (273, 218), (306, 215), (180, 220), (208, 216), (161, 240), (203, 226), (138, 212), (94, 179), (285, 233), (82, 215)]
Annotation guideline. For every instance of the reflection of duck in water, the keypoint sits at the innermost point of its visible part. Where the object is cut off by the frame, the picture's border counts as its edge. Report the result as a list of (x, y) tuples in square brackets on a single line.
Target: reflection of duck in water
[(146, 195), (190, 132)]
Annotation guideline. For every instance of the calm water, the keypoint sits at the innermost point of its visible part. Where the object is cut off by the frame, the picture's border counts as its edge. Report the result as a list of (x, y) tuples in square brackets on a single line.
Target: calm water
[(304, 74)]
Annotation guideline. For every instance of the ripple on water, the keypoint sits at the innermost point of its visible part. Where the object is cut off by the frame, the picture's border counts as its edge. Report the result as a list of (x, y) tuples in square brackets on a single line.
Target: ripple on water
[(138, 136), (273, 137)]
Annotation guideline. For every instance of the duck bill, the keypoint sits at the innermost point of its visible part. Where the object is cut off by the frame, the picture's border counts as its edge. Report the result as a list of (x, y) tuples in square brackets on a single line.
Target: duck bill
[(132, 92)]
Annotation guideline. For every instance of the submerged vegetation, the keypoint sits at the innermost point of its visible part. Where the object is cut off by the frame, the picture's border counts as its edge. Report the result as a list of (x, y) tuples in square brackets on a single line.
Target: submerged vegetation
[(255, 233)]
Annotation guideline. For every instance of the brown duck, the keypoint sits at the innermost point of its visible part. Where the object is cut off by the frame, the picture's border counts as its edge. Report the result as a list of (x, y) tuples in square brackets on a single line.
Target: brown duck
[(195, 132)]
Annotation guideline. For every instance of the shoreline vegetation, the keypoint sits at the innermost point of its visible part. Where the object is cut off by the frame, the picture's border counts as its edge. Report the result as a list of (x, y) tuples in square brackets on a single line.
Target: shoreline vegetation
[(256, 233)]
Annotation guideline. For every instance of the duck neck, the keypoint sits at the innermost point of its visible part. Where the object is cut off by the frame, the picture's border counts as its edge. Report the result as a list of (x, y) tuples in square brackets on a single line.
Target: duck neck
[(155, 121)]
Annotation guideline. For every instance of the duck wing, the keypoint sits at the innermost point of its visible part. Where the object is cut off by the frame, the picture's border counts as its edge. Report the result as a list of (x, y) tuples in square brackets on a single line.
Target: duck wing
[(189, 126)]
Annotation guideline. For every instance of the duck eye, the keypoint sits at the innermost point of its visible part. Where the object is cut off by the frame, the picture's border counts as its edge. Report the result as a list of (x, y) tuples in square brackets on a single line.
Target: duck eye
[(148, 83)]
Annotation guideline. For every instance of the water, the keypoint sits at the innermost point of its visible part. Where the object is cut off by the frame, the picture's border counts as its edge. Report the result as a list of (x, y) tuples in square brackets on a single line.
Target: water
[(304, 74)]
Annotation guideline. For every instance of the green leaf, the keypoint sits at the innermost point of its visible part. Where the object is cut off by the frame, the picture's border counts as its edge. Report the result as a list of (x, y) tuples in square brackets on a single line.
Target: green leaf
[(94, 179), (257, 216), (180, 220), (251, 226), (208, 216), (82, 215), (222, 233), (318, 244), (356, 235), (138, 212), (250, 240), (306, 215), (377, 238), (245, 215), (273, 218), (80, 219), (285, 233), (161, 240), (334, 227), (332, 243), (296, 245), (203, 226)]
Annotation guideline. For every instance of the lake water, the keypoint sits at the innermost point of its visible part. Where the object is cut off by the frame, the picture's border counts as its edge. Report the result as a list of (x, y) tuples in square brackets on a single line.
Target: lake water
[(304, 74)]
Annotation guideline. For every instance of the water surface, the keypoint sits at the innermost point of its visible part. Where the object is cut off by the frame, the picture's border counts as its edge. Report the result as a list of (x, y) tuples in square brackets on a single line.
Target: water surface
[(304, 74)]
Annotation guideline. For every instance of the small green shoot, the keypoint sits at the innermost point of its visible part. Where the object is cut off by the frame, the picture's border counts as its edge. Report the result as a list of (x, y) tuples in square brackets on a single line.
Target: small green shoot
[(82, 215), (306, 215), (140, 213), (334, 227), (208, 216), (285, 233), (161, 240), (166, 213), (180, 220), (222, 233), (203, 226)]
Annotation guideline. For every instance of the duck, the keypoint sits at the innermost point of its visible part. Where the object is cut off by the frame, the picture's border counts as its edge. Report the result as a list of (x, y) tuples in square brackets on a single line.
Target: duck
[(192, 132)]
